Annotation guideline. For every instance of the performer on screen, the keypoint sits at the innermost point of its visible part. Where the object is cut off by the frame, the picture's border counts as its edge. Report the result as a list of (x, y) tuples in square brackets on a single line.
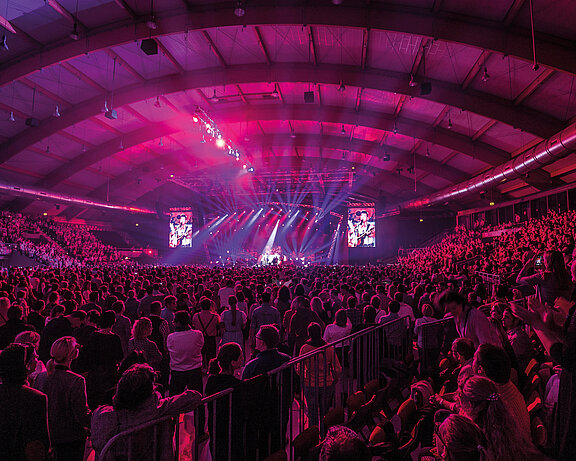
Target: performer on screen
[(361, 233), (180, 232)]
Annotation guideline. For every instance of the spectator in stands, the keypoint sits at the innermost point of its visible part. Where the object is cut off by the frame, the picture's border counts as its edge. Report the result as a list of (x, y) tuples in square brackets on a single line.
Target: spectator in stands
[(519, 340), (405, 308), (354, 314), (4, 306), (136, 403), (470, 323), (427, 317), (160, 328), (131, 305), (89, 326), (225, 292), (221, 377), (33, 339), (283, 300), (209, 324), (57, 327), (92, 303), (68, 412), (304, 316), (393, 308), (268, 357), (552, 282), (100, 358), (167, 313), (319, 376), (343, 444), (14, 325), (24, 418), (139, 341), (493, 363), (146, 301), (459, 439), (122, 327), (35, 317), (234, 323), (481, 402), (266, 314)]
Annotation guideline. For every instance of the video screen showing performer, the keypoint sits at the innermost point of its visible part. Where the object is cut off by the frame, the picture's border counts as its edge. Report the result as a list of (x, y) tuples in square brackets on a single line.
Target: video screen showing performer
[(361, 227), (180, 229)]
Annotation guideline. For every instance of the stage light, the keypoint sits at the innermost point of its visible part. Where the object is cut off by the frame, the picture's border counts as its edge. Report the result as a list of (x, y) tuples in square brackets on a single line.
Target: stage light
[(11, 118), (240, 9), (421, 220), (171, 175), (203, 140), (492, 204), (244, 166), (195, 119), (220, 142), (251, 170), (44, 214), (56, 112), (137, 224)]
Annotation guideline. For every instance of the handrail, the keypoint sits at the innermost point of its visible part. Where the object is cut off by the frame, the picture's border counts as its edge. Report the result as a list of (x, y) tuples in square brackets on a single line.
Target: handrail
[(319, 350), (156, 421)]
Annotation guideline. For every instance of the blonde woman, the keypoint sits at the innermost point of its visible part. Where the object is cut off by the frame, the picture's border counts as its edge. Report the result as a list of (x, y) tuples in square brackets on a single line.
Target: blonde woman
[(68, 412), (139, 341)]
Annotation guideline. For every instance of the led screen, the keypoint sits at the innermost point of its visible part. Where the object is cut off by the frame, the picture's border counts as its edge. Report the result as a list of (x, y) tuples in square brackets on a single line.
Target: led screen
[(180, 228), (361, 227)]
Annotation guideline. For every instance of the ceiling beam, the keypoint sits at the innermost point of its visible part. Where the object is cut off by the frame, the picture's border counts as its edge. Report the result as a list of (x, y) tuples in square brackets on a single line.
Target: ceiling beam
[(170, 57), (262, 45), (49, 94), (214, 49), (64, 13), (124, 5), (7, 25), (553, 52), (513, 11), (533, 122), (312, 46), (478, 65), (125, 65), (533, 86)]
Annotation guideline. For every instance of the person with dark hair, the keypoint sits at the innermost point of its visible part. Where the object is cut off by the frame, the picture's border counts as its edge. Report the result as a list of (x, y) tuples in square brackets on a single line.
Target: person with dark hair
[(131, 305), (267, 434), (319, 376), (35, 317), (493, 363), (519, 340), (167, 313), (100, 358), (24, 416), (57, 327), (209, 324), (68, 412), (136, 403), (221, 377), (122, 327), (304, 316), (354, 314), (160, 327), (234, 322), (89, 326), (343, 444), (470, 322), (265, 314), (552, 282), (283, 300), (14, 325)]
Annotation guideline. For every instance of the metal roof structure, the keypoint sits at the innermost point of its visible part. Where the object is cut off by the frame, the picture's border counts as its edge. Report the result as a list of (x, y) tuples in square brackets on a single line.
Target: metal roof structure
[(411, 96)]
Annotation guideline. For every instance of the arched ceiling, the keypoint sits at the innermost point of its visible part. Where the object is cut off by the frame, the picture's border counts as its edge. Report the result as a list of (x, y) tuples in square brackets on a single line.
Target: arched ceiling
[(488, 102)]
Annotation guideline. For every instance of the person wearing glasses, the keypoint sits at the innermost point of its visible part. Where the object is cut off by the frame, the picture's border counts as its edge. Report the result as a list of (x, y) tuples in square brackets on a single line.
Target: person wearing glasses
[(68, 412)]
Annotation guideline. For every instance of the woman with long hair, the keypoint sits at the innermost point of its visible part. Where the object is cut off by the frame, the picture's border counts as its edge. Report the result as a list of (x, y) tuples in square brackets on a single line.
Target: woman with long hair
[(550, 283), (283, 300), (221, 377), (68, 412), (459, 439), (319, 375), (234, 321), (481, 402)]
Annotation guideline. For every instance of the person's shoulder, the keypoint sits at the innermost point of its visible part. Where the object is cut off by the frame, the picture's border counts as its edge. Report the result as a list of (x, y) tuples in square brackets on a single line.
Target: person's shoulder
[(33, 394)]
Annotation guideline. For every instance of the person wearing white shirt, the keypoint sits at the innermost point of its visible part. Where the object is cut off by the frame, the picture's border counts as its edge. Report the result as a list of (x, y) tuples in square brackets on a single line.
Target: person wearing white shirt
[(224, 294)]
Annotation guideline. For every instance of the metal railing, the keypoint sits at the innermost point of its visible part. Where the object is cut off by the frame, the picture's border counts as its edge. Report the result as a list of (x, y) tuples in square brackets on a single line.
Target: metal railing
[(437, 337), (490, 280), (264, 414)]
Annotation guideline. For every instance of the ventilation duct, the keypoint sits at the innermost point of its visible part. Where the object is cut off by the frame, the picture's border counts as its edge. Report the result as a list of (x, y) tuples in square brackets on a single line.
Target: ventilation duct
[(548, 151), (13, 189)]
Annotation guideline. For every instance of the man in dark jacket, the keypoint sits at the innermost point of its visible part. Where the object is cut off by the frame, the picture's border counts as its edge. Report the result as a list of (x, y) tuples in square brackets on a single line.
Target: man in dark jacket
[(13, 326)]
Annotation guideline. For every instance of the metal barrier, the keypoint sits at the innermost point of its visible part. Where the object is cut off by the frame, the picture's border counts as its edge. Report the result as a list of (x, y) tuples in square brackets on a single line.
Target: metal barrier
[(437, 337), (264, 414), (490, 280)]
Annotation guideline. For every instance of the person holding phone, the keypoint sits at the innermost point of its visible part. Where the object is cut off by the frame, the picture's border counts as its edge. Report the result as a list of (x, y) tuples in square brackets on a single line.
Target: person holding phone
[(550, 283)]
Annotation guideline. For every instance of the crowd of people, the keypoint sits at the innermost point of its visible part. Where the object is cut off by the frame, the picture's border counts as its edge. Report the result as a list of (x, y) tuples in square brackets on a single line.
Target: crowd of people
[(53, 243), (88, 352)]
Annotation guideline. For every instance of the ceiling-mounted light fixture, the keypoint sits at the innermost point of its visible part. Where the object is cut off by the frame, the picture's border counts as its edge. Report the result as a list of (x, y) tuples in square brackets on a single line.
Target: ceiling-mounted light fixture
[(240, 9), (161, 143), (342, 131), (449, 123), (203, 140), (485, 75), (84, 148), (157, 102), (412, 82), (74, 34), (121, 146), (292, 134), (341, 87), (4, 43), (275, 93), (105, 108), (11, 118), (386, 158), (56, 112), (214, 98), (151, 23)]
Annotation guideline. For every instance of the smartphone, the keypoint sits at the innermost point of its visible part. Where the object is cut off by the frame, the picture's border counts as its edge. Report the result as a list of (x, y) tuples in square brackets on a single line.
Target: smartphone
[(538, 262)]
